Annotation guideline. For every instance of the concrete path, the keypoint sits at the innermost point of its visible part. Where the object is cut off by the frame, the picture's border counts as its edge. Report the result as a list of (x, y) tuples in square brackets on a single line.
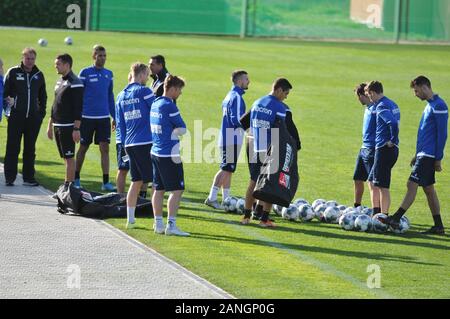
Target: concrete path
[(44, 254)]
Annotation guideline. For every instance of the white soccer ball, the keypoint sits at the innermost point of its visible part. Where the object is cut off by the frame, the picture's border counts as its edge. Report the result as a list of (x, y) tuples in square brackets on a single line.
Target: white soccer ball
[(342, 207), (367, 211), (331, 203), (349, 210), (317, 202), (68, 41), (300, 201), (319, 210), (240, 206), (378, 223), (404, 226), (277, 209), (305, 212), (331, 214), (363, 223), (347, 221), (359, 209), (229, 204), (290, 213), (42, 42)]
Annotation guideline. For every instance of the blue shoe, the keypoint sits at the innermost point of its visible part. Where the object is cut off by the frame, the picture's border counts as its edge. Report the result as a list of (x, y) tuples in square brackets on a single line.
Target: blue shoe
[(108, 187), (77, 183)]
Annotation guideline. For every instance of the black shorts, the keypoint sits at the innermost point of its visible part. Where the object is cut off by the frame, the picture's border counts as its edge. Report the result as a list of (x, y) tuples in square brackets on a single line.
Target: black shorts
[(101, 128), (423, 171), (123, 162), (385, 159), (140, 163), (364, 164), (64, 141), (255, 165), (168, 173), (230, 155)]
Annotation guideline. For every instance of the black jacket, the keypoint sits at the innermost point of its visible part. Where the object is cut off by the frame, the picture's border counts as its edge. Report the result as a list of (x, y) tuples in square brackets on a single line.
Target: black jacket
[(28, 91), (158, 82), (68, 103)]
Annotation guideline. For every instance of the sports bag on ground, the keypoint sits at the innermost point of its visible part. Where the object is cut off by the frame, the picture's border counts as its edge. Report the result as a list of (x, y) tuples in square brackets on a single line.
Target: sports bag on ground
[(278, 181), (81, 202)]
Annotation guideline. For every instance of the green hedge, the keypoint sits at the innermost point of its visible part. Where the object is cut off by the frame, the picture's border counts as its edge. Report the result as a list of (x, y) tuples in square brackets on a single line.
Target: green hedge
[(39, 13)]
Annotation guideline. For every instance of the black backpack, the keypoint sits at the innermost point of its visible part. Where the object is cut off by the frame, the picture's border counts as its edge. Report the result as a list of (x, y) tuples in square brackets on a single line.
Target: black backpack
[(81, 202), (279, 187)]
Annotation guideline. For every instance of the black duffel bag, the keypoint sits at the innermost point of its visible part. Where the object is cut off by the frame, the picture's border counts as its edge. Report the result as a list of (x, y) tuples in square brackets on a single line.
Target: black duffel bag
[(81, 202), (278, 181)]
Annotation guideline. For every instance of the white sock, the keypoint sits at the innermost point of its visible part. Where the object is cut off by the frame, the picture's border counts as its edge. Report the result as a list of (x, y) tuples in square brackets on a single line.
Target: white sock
[(213, 193), (130, 214), (159, 220), (225, 193), (172, 220)]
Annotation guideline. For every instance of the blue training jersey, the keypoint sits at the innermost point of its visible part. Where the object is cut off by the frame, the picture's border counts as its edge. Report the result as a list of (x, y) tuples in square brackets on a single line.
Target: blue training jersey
[(263, 113), (164, 119), (133, 115), (369, 126), (388, 118), (432, 134), (233, 107), (98, 101)]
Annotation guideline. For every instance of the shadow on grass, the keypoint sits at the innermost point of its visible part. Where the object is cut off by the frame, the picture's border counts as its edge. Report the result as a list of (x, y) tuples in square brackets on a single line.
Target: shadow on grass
[(344, 236), (303, 248)]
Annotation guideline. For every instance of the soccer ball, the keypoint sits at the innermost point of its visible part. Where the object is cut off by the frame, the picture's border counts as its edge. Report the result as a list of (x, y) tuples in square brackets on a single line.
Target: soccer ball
[(240, 205), (349, 210), (42, 42), (342, 208), (290, 213), (378, 223), (367, 211), (331, 203), (300, 201), (359, 209), (331, 214), (68, 41), (319, 210), (404, 226), (230, 204), (317, 202), (305, 212), (363, 223), (347, 221), (277, 209)]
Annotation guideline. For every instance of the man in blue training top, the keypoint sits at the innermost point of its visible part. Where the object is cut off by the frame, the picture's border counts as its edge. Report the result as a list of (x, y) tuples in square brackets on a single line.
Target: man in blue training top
[(133, 121), (364, 161), (263, 114), (431, 139), (386, 142), (98, 106), (231, 137), (168, 175)]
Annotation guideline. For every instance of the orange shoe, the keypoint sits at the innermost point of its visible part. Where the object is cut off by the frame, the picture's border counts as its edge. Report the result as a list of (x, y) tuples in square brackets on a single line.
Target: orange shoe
[(267, 224), (245, 221)]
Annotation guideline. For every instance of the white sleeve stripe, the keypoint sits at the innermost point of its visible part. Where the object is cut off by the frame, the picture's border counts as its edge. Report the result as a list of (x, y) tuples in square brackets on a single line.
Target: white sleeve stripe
[(82, 77), (281, 114), (440, 112), (77, 86), (174, 114), (238, 109), (148, 96)]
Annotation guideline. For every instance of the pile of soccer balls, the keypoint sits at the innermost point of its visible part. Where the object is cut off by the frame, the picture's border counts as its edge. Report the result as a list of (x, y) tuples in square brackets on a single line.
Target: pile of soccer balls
[(234, 204)]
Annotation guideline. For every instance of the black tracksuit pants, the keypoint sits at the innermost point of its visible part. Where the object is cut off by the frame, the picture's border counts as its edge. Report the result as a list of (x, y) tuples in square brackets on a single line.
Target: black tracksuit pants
[(18, 126)]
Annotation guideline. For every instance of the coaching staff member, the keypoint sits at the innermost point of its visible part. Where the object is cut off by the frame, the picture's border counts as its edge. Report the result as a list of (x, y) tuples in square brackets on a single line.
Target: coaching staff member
[(431, 139), (65, 120), (25, 93)]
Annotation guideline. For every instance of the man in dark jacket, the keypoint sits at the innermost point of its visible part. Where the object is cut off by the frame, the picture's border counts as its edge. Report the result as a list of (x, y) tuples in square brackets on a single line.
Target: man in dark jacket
[(25, 93), (159, 72)]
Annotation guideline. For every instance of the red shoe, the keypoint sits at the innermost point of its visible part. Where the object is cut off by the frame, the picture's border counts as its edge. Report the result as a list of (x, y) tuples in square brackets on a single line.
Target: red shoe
[(267, 224), (245, 221)]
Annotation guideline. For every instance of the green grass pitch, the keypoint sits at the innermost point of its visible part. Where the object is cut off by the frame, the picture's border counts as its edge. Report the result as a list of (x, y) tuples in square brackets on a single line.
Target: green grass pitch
[(295, 260)]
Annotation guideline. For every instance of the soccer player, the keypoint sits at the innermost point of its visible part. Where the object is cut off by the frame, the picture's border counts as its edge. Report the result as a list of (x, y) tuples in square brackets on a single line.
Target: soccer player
[(386, 142), (64, 123), (263, 114), (168, 176), (133, 120), (231, 137), (157, 66), (431, 139), (24, 90), (364, 161), (98, 106)]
